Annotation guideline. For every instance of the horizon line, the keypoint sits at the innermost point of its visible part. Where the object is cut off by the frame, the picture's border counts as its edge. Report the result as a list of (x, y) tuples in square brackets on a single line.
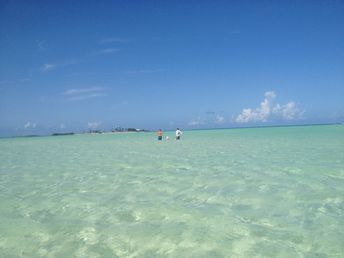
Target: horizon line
[(196, 129)]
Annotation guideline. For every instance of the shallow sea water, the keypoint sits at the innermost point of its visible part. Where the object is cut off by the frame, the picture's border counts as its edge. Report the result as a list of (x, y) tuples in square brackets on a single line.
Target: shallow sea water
[(257, 192)]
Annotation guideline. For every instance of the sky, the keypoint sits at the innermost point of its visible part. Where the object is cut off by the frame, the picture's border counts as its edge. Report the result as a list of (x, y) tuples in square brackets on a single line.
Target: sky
[(78, 65)]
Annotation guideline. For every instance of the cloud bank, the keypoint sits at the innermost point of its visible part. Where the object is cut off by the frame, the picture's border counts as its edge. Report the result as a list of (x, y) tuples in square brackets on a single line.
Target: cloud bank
[(268, 110)]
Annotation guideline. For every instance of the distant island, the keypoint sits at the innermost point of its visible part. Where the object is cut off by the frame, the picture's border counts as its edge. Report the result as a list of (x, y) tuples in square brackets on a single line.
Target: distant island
[(97, 131), (58, 134), (120, 129)]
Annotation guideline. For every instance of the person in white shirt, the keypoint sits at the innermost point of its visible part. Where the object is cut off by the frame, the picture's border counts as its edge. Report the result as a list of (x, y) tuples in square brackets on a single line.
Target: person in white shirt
[(178, 134)]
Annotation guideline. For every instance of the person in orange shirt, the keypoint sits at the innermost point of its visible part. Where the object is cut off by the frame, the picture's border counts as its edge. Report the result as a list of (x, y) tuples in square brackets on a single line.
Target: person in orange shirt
[(159, 133)]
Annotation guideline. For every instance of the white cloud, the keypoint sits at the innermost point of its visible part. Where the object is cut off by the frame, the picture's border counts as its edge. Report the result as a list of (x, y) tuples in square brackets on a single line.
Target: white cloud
[(290, 111), (87, 96), (41, 44), (93, 125), (220, 119), (84, 90), (108, 51), (30, 125), (47, 67), (211, 118), (68, 62), (268, 110), (270, 94), (197, 121), (84, 93), (105, 51)]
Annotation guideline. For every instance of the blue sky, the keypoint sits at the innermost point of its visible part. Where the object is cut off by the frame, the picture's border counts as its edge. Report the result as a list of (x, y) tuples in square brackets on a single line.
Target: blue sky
[(74, 65)]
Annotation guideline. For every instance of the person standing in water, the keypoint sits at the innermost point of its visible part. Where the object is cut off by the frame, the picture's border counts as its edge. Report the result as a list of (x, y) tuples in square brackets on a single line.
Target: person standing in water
[(159, 133), (178, 134)]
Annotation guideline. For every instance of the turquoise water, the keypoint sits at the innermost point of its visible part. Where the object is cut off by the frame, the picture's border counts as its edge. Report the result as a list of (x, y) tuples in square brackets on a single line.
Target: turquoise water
[(259, 192)]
